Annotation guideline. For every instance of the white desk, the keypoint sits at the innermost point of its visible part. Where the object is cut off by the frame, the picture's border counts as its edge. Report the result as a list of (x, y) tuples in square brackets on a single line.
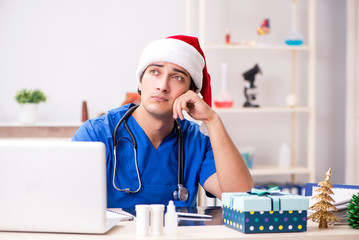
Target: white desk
[(127, 230)]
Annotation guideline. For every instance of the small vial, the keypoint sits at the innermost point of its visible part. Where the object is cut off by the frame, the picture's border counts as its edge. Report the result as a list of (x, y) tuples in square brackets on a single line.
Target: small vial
[(171, 219), (228, 36), (284, 156), (142, 219), (157, 218)]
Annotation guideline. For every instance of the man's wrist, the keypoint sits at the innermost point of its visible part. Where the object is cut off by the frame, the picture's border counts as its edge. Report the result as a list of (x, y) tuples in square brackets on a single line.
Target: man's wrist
[(212, 120)]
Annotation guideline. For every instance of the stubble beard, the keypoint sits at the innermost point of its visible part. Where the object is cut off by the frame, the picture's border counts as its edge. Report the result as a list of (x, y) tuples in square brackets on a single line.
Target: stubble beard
[(158, 109)]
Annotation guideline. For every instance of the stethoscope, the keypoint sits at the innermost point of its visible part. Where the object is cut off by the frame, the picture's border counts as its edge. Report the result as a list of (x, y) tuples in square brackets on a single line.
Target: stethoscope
[(181, 193)]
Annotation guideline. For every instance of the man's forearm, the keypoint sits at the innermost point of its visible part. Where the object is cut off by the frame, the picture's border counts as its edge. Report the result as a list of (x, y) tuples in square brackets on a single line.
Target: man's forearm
[(232, 171)]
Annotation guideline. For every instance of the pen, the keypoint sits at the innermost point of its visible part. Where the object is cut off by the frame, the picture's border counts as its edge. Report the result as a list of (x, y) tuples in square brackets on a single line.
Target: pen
[(197, 215), (194, 219)]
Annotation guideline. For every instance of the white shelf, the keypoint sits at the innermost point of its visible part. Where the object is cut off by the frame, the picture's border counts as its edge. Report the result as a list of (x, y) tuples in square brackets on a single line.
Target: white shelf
[(256, 47), (263, 110), (265, 170), (42, 124), (40, 130), (308, 108)]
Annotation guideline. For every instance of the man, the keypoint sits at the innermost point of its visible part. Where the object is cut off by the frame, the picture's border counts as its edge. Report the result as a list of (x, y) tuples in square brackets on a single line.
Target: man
[(171, 72)]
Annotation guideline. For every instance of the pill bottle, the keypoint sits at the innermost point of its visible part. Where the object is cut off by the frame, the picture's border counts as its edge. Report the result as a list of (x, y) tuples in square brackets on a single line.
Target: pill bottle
[(142, 219), (157, 218)]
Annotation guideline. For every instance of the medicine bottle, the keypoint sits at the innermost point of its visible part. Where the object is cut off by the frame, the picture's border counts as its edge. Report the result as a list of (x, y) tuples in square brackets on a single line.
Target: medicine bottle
[(142, 219), (171, 219), (284, 156), (157, 218)]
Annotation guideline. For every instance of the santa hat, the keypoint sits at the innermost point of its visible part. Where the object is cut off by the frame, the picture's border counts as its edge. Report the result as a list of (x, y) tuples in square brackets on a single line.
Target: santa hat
[(183, 51)]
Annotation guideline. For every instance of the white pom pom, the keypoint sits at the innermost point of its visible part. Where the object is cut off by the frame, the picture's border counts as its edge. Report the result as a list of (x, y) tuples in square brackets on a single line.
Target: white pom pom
[(291, 100)]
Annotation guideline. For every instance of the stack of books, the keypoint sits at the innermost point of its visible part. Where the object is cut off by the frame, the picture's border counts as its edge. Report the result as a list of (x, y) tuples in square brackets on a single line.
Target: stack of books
[(342, 195), (342, 207)]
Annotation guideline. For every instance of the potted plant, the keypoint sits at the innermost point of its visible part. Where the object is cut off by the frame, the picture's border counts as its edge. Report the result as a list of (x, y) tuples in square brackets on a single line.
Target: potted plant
[(28, 101)]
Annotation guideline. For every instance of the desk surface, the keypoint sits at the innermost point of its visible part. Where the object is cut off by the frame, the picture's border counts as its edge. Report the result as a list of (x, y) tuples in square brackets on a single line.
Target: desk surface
[(127, 230)]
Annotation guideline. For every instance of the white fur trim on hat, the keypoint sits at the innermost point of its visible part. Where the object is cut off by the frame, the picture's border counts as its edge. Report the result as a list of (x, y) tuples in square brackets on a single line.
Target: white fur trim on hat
[(173, 51)]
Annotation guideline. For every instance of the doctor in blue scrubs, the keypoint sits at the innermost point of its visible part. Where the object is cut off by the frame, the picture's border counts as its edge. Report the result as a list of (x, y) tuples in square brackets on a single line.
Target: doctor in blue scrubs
[(170, 74)]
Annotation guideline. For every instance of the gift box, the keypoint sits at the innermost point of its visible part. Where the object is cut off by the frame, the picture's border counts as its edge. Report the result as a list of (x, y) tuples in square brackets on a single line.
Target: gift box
[(265, 211)]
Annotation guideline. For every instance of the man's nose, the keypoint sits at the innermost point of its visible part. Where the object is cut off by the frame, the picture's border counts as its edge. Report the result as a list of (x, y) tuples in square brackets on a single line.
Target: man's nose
[(163, 83)]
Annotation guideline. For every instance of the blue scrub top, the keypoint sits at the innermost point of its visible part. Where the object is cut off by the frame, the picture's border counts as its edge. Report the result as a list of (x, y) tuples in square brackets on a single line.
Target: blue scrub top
[(157, 168)]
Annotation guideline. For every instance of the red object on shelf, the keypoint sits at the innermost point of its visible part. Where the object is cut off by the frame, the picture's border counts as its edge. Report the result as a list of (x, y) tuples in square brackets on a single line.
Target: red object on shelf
[(228, 36), (223, 104), (85, 115), (223, 99), (132, 97), (264, 28)]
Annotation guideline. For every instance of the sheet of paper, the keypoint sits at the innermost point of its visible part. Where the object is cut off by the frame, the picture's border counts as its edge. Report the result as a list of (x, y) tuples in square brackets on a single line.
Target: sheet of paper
[(341, 195), (118, 213)]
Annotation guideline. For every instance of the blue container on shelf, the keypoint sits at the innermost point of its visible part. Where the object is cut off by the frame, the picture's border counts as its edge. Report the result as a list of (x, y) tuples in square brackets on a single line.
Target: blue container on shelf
[(297, 42), (248, 156)]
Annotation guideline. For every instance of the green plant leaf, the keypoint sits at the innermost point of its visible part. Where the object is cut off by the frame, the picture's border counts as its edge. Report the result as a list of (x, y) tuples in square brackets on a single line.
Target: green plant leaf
[(30, 96)]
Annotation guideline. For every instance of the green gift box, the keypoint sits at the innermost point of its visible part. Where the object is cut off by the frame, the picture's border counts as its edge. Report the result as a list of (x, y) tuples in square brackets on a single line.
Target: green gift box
[(265, 211)]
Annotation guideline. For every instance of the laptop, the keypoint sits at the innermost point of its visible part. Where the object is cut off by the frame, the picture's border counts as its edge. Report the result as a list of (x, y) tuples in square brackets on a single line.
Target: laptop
[(53, 186)]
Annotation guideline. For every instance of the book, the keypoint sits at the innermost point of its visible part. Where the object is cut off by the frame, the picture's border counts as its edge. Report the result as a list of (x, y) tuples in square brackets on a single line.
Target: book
[(119, 214)]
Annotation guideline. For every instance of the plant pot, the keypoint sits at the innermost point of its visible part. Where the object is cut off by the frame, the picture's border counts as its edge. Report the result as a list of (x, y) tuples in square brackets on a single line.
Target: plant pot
[(28, 113)]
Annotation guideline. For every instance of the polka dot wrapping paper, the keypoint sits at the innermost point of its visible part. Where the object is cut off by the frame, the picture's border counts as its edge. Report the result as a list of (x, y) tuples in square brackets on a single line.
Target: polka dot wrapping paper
[(265, 222), (250, 213)]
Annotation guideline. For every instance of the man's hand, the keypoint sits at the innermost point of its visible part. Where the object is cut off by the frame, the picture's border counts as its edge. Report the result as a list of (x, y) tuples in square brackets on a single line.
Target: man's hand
[(232, 173), (193, 105)]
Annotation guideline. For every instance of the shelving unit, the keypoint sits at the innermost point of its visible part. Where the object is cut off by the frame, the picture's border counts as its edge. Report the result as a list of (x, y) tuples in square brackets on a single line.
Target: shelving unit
[(352, 95), (264, 47), (267, 170), (308, 110), (263, 110)]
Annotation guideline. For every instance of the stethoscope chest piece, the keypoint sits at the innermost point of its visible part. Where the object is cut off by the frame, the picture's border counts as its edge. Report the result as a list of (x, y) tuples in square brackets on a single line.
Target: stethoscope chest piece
[(181, 193)]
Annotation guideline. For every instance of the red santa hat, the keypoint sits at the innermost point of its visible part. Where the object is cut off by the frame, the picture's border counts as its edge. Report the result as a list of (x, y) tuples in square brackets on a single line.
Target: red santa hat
[(183, 51)]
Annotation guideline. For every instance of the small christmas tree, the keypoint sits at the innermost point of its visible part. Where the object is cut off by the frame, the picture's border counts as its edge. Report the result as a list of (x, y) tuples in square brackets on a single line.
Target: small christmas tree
[(353, 212), (323, 206)]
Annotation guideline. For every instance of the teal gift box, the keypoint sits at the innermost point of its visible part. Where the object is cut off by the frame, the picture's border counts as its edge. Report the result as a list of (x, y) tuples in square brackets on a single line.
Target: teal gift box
[(265, 211)]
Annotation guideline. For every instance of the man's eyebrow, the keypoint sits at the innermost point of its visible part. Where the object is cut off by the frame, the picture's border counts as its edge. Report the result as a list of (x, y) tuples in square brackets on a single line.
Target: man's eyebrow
[(180, 71), (174, 69), (155, 65)]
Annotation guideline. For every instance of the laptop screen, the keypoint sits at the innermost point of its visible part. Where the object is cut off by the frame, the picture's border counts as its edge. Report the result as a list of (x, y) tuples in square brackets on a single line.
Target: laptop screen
[(52, 186)]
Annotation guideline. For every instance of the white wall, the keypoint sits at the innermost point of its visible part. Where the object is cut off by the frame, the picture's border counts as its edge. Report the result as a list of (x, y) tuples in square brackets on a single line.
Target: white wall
[(77, 50), (352, 93), (331, 43), (88, 50)]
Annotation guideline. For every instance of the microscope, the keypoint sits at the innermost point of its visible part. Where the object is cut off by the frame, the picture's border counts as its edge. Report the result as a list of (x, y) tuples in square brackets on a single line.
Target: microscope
[(250, 91)]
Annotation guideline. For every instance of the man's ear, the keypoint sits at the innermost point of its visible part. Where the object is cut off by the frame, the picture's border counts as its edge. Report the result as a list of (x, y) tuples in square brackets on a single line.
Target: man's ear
[(139, 88), (139, 85)]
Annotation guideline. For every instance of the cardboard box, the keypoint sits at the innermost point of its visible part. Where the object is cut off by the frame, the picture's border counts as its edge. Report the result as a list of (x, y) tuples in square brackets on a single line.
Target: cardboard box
[(265, 213)]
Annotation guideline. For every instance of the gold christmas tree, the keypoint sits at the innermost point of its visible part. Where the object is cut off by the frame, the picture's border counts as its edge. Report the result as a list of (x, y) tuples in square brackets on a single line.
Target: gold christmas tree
[(323, 206)]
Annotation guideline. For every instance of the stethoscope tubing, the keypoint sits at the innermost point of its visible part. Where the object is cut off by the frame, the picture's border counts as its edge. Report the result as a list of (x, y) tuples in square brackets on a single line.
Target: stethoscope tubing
[(127, 190), (180, 175), (124, 117), (134, 144)]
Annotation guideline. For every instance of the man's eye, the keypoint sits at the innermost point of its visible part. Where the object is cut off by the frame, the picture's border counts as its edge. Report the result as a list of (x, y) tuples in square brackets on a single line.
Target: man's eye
[(155, 72), (179, 78)]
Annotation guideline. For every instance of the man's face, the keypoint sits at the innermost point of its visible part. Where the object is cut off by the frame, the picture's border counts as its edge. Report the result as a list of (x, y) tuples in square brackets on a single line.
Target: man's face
[(161, 84)]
